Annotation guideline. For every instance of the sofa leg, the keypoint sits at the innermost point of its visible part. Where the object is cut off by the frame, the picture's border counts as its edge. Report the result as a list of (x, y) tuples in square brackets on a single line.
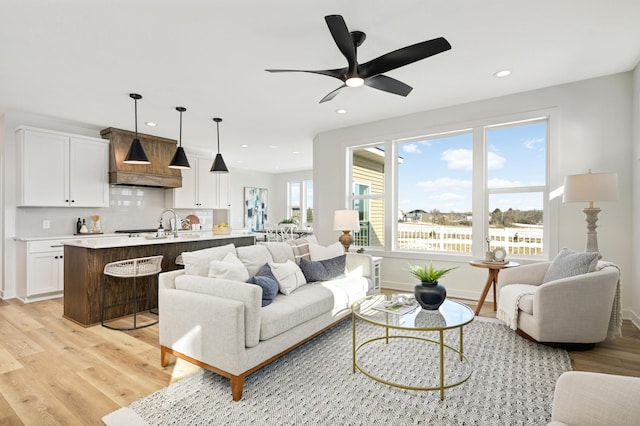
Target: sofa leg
[(237, 385), (165, 356)]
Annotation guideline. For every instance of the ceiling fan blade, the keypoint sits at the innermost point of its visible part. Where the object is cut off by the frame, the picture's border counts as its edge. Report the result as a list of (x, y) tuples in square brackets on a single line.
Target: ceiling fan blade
[(337, 73), (342, 37), (388, 84), (405, 56), (332, 94)]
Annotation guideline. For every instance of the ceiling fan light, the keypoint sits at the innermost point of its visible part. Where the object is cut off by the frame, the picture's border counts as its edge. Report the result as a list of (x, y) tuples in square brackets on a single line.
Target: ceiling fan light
[(354, 82), (218, 165), (136, 154)]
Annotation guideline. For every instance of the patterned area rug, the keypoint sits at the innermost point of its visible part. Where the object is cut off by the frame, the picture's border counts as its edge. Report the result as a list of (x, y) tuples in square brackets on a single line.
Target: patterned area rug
[(512, 382)]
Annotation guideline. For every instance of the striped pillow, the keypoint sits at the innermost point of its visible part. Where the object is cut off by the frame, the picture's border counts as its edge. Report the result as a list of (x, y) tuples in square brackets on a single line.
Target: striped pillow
[(300, 249)]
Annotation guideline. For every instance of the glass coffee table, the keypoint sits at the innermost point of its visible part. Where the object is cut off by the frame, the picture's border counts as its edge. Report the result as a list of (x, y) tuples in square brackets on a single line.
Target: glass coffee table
[(451, 315)]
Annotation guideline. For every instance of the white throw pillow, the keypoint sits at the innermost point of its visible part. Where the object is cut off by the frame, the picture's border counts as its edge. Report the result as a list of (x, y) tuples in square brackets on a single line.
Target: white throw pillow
[(319, 252), (289, 276), (197, 262), (230, 268)]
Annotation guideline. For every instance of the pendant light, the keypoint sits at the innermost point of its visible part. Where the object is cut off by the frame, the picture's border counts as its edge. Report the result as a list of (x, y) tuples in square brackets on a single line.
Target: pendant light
[(218, 164), (179, 160), (136, 154)]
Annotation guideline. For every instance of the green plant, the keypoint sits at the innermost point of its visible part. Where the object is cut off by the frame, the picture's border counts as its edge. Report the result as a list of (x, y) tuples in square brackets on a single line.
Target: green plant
[(429, 274), (287, 221)]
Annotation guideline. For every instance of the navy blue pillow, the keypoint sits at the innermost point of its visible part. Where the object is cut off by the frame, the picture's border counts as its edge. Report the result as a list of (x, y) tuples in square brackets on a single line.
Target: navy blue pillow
[(265, 279), (323, 270)]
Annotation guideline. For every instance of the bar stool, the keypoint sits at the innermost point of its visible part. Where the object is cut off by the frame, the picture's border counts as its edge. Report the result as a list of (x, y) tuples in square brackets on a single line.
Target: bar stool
[(131, 268)]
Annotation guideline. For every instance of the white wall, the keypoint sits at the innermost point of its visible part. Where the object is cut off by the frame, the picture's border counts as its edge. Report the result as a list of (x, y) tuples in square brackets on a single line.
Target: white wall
[(241, 178), (594, 132)]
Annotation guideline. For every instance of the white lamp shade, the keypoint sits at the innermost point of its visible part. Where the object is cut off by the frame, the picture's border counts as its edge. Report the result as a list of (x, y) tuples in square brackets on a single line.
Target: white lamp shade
[(590, 187), (346, 220)]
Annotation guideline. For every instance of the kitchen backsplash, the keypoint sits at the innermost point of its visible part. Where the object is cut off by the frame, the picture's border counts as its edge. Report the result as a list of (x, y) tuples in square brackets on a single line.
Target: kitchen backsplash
[(130, 208)]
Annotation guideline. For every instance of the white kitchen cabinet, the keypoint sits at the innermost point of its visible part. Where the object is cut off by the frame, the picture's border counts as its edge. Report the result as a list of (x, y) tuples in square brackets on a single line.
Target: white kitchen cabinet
[(62, 170), (40, 273), (201, 189)]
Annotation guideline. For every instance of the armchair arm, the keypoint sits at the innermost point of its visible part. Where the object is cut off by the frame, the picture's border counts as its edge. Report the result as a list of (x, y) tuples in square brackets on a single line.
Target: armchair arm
[(532, 274), (592, 399)]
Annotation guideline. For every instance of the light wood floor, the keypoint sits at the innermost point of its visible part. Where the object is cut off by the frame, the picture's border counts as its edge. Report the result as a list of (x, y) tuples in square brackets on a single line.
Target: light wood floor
[(53, 371)]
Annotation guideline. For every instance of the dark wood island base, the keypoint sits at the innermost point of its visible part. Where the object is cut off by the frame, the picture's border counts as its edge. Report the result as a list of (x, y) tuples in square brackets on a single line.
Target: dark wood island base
[(84, 266)]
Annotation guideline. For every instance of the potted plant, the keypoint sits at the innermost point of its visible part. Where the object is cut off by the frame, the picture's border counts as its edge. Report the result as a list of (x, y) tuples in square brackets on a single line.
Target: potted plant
[(429, 293)]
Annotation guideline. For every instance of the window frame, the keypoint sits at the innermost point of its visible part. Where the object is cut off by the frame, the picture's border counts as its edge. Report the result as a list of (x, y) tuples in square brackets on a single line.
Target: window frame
[(480, 191)]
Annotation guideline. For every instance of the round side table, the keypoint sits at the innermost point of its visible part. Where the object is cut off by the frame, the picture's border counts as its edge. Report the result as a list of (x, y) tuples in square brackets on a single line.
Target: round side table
[(494, 269)]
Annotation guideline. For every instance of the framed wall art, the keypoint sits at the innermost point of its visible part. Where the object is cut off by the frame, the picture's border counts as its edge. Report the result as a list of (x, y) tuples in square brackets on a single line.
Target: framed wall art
[(255, 208)]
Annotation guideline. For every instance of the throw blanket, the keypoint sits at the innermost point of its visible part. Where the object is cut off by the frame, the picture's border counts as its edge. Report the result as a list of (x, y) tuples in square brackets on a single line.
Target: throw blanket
[(615, 321), (509, 301)]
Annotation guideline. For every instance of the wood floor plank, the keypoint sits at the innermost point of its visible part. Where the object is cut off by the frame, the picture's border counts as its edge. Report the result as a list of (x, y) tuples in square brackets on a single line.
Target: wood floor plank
[(16, 342), (8, 362)]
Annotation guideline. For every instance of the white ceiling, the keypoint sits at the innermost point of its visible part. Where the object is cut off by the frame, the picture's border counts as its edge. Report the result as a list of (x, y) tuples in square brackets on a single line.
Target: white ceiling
[(78, 60)]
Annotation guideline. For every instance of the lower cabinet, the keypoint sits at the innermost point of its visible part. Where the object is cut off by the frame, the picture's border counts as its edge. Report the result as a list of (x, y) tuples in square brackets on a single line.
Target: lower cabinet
[(40, 273)]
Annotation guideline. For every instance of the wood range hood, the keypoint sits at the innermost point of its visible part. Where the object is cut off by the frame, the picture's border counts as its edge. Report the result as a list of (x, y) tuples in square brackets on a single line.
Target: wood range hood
[(159, 151)]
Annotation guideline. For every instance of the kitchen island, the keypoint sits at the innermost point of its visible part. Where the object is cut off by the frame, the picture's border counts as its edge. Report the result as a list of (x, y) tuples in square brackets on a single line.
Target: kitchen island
[(84, 261)]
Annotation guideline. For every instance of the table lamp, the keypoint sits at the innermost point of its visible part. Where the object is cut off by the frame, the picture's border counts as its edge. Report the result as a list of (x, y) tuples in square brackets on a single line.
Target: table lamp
[(346, 221), (591, 187)]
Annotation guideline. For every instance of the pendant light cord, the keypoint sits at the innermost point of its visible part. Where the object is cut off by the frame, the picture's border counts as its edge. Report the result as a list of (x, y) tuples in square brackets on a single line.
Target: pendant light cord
[(135, 108), (218, 131), (180, 127)]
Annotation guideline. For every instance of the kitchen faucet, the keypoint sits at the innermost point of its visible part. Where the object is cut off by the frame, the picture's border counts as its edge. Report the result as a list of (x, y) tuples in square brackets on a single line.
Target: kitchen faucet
[(174, 229)]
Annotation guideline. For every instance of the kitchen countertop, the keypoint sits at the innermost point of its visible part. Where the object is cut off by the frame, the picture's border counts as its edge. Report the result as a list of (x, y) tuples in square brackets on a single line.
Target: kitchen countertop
[(109, 240)]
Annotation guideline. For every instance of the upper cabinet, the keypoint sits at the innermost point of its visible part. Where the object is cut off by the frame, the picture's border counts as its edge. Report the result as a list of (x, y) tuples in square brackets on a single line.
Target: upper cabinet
[(201, 189), (61, 170)]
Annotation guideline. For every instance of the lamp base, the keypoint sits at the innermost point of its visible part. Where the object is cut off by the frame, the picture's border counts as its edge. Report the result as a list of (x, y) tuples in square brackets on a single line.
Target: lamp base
[(591, 214), (346, 239)]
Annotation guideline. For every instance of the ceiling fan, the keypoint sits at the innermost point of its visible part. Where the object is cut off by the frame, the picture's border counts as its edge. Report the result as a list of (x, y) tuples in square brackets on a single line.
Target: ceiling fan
[(371, 73)]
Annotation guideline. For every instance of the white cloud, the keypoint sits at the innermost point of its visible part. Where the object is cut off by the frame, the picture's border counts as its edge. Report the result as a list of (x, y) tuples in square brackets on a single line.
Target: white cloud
[(411, 148), (495, 161), (531, 143), (447, 196), (444, 182), (503, 183), (458, 158)]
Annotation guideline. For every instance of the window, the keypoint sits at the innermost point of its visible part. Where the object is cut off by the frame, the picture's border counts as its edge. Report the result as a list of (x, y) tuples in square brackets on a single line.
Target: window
[(300, 202), (455, 189), (367, 194)]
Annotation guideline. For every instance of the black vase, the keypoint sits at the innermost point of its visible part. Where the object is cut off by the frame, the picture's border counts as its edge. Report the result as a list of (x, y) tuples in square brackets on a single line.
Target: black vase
[(430, 295)]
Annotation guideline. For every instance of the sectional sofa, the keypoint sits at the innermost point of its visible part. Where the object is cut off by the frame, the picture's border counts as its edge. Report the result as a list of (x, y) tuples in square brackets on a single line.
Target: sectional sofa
[(212, 317)]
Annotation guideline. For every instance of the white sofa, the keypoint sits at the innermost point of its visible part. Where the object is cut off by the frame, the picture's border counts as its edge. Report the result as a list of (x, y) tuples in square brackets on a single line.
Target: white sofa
[(219, 324), (594, 399)]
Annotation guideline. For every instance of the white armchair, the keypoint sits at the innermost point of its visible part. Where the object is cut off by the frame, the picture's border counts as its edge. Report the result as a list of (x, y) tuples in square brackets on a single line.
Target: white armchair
[(575, 310)]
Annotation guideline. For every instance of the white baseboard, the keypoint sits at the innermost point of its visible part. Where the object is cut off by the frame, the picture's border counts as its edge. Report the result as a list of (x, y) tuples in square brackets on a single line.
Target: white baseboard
[(628, 314)]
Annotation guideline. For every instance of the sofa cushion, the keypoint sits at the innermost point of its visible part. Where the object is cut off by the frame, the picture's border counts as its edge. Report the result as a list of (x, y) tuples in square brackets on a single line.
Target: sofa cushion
[(525, 304), (287, 312), (323, 270), (280, 252), (230, 268), (289, 276), (254, 257), (318, 252), (569, 263), (197, 262)]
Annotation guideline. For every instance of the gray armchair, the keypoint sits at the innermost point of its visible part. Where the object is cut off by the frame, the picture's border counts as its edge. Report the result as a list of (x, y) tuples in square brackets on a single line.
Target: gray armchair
[(575, 310)]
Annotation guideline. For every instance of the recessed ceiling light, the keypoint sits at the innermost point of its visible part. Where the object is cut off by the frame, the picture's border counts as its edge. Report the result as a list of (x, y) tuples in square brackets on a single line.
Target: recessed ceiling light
[(502, 73), (150, 124), (341, 111), (244, 145), (273, 146), (296, 152)]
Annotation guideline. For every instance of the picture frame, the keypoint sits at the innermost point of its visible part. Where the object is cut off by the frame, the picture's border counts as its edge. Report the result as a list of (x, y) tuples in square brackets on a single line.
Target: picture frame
[(255, 208)]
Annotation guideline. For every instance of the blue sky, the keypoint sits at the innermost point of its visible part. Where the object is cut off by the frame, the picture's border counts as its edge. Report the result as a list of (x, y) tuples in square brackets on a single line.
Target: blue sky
[(436, 173)]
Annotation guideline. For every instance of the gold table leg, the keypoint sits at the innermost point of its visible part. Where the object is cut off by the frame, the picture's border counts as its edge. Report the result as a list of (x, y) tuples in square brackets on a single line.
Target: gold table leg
[(441, 365)]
